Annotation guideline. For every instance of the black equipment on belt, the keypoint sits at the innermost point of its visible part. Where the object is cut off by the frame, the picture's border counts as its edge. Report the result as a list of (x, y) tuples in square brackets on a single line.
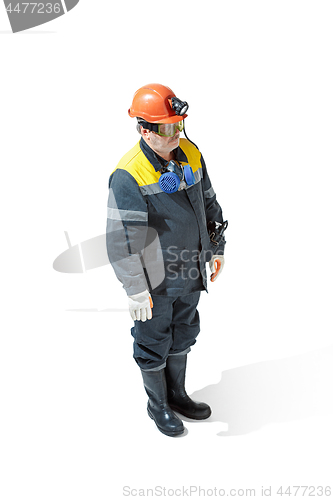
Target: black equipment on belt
[(216, 231)]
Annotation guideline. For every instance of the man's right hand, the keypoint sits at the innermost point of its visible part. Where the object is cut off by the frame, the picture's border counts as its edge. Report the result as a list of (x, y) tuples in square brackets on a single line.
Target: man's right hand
[(140, 306)]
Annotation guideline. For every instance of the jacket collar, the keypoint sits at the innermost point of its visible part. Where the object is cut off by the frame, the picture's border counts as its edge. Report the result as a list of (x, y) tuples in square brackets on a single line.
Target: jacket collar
[(156, 160)]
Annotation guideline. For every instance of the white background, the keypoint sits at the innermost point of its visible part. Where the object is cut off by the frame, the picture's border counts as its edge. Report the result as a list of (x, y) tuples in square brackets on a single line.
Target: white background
[(258, 78)]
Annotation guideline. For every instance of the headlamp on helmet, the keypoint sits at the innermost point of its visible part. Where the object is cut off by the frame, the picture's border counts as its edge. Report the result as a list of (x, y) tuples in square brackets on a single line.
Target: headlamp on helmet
[(179, 107)]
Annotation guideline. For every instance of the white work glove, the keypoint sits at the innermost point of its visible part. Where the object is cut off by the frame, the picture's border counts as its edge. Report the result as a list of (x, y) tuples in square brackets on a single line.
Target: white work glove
[(140, 306), (216, 264)]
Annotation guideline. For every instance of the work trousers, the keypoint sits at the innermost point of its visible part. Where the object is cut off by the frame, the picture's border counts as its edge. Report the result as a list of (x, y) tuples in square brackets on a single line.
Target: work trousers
[(172, 330)]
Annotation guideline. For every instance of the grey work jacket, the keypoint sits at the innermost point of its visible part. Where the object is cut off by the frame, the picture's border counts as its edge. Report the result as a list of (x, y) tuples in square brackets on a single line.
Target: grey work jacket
[(155, 240)]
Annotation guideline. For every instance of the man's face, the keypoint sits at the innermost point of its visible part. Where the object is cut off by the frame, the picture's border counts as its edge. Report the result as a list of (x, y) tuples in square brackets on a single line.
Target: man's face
[(161, 145)]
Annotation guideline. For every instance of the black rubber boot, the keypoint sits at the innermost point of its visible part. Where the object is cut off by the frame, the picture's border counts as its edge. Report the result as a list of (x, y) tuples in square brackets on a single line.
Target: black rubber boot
[(158, 407), (177, 397)]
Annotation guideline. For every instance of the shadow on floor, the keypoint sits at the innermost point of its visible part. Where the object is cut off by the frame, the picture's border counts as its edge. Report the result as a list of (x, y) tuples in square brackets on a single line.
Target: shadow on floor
[(252, 396)]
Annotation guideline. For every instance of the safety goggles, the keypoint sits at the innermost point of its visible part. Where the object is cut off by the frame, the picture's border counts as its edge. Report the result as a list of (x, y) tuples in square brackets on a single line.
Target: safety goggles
[(164, 129), (169, 129)]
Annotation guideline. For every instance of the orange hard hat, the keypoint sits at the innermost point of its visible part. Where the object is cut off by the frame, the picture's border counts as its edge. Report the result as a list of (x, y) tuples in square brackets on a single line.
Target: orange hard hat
[(153, 103)]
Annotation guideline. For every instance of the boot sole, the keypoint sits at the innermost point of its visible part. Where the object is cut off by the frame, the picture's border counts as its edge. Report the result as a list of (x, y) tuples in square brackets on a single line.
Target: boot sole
[(167, 433), (189, 415)]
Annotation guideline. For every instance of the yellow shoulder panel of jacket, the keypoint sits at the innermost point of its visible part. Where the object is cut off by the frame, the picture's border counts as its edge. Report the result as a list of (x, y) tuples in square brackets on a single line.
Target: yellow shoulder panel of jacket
[(192, 153), (137, 164)]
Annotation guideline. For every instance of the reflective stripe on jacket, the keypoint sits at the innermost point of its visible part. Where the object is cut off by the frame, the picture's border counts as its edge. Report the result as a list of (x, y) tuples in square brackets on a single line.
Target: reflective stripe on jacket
[(138, 210)]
